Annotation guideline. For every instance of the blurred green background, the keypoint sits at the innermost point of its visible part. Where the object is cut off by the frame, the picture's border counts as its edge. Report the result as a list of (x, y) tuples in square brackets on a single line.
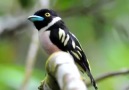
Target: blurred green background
[(102, 27)]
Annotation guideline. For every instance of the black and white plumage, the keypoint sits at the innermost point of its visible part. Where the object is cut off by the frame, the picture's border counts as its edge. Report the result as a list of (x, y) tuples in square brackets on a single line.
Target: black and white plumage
[(54, 36)]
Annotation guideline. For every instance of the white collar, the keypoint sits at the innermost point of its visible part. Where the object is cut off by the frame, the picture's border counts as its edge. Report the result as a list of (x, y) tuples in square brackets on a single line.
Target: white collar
[(56, 19)]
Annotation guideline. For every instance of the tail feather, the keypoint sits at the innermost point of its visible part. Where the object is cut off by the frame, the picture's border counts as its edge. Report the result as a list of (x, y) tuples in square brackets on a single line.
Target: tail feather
[(92, 79)]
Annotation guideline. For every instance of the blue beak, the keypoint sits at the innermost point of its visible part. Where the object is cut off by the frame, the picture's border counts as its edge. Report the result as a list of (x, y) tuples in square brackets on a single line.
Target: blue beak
[(35, 18)]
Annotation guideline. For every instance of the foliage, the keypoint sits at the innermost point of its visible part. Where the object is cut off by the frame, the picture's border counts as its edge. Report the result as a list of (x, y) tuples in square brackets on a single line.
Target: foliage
[(26, 3)]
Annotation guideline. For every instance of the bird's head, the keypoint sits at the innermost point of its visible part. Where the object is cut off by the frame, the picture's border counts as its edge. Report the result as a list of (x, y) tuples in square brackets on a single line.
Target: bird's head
[(44, 18)]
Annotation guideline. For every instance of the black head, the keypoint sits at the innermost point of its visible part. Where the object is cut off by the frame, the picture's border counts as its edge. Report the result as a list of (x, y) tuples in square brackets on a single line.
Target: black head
[(42, 18)]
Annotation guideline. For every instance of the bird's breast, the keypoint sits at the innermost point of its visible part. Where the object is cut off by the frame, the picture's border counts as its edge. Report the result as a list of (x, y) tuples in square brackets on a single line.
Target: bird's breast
[(46, 43)]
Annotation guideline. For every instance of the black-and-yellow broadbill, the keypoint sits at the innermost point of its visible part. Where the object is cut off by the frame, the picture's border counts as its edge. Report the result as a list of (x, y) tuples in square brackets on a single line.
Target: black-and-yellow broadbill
[(54, 36)]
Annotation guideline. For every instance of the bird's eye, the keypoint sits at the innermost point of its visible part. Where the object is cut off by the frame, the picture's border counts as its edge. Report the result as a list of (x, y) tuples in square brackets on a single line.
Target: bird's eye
[(47, 14)]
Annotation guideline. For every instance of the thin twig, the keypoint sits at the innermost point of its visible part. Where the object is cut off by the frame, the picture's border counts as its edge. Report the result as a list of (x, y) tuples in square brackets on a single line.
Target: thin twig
[(109, 75), (32, 52)]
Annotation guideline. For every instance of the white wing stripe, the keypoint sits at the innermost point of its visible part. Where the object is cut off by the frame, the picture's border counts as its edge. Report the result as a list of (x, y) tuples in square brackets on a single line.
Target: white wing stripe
[(66, 40), (63, 37), (73, 44), (79, 48), (76, 55), (61, 34), (79, 53)]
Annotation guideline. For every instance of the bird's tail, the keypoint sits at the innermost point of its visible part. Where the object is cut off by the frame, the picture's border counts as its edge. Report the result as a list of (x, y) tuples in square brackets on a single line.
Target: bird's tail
[(92, 79)]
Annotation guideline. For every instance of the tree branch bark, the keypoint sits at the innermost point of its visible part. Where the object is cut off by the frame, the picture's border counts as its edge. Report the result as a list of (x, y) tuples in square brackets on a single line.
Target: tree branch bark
[(32, 51), (110, 75), (10, 25), (62, 74)]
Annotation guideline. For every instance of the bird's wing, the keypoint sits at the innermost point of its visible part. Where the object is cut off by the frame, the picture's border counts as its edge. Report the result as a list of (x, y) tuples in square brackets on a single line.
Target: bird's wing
[(67, 41)]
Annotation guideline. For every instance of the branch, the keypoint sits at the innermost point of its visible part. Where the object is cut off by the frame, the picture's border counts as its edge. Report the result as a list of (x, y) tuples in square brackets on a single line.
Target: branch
[(127, 88), (111, 74), (32, 52), (62, 74), (9, 24), (30, 60), (13, 24)]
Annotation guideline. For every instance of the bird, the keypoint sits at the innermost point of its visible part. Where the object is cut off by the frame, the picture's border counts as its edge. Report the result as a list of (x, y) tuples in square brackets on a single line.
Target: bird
[(54, 36)]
